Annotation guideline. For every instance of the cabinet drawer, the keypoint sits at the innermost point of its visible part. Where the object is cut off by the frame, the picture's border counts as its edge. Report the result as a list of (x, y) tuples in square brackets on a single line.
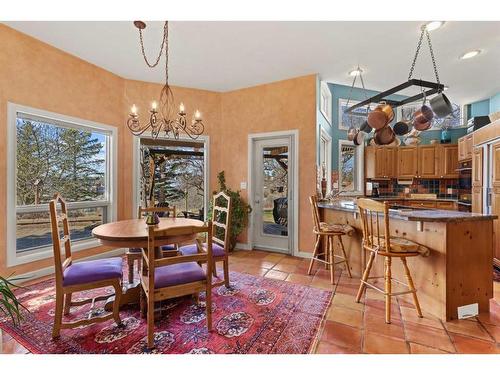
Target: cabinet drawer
[(424, 204), (446, 205)]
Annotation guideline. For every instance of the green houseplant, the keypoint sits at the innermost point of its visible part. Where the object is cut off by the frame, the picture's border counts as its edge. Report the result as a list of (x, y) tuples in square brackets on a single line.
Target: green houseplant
[(239, 210), (9, 304)]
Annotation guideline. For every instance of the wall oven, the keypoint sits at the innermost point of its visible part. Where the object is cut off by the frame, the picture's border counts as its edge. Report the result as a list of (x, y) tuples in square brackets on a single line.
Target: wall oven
[(465, 186)]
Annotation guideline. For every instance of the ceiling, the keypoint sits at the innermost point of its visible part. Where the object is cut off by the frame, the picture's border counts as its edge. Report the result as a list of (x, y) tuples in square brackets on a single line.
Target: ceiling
[(224, 56)]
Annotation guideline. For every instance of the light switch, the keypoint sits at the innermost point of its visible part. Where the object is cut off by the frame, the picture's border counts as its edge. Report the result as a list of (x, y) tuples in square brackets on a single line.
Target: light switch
[(243, 185)]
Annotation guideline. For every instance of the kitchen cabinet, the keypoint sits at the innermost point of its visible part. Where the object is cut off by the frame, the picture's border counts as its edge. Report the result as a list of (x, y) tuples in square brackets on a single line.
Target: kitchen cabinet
[(448, 161), (428, 166), (477, 167), (495, 210), (407, 162), (381, 162), (477, 199), (446, 205), (423, 204), (465, 147)]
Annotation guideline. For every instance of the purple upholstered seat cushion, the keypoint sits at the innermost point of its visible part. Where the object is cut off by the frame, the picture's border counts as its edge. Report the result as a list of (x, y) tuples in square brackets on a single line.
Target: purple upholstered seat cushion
[(168, 247), (93, 270), (217, 250), (177, 274)]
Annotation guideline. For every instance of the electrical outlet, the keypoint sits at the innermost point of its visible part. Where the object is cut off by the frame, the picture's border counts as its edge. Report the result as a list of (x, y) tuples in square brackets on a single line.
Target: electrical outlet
[(468, 311), (243, 185)]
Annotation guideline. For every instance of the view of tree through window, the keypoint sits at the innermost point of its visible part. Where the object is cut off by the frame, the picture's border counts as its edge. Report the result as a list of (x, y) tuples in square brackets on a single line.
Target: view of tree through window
[(347, 168), (179, 171), (54, 158)]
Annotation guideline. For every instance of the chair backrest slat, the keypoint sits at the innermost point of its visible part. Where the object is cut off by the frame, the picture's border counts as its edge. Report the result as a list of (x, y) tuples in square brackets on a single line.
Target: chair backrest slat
[(169, 210), (315, 212), (370, 211), (59, 242), (221, 217)]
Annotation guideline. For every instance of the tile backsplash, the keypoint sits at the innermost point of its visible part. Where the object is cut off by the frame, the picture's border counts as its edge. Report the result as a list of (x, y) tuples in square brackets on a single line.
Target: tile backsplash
[(443, 188)]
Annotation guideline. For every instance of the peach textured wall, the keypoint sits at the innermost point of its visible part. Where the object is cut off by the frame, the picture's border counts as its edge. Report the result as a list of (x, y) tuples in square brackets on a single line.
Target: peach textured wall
[(35, 74)]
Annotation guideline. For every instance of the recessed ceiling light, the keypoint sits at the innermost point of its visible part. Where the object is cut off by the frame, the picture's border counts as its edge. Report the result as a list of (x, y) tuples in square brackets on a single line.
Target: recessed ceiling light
[(355, 72), (470, 54), (433, 25)]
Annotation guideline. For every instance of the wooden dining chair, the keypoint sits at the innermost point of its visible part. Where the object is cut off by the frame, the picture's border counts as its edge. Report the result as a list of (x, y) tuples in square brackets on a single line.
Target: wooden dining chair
[(221, 216), (378, 241), (134, 254), (328, 232), (76, 277), (178, 275)]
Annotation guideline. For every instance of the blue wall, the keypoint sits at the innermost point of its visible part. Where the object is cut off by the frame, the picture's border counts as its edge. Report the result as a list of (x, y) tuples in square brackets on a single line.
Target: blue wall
[(342, 92), (481, 108), (495, 103)]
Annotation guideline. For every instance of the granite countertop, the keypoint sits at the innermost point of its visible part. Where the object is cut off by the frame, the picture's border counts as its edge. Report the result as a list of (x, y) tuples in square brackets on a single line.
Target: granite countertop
[(410, 214), (414, 199)]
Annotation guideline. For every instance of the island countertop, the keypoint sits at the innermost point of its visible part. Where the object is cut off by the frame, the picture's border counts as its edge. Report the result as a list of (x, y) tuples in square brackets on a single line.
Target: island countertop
[(410, 214)]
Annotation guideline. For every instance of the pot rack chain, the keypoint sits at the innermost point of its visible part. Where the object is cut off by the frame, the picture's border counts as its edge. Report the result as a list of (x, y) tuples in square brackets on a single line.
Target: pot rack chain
[(417, 52)]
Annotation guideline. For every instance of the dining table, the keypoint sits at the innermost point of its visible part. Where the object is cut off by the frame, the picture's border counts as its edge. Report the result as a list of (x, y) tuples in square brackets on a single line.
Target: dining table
[(133, 233)]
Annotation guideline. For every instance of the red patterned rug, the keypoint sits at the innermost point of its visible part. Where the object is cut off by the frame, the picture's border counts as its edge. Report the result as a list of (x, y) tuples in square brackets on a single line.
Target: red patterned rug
[(255, 315)]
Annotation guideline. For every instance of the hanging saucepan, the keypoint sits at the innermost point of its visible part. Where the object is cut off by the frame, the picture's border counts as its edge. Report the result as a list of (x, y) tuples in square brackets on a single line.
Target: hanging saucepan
[(402, 127), (423, 117), (359, 138), (380, 116), (441, 105), (351, 133), (384, 136), (365, 127)]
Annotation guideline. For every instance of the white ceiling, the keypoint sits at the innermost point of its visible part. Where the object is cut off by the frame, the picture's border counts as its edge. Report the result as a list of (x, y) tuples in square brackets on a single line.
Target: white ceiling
[(224, 56)]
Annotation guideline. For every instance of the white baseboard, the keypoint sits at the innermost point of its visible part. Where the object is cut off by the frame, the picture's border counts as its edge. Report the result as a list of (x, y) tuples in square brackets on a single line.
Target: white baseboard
[(50, 270), (303, 254), (243, 246)]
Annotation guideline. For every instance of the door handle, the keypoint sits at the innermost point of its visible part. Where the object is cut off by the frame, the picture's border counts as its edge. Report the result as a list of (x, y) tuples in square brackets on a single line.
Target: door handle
[(257, 202)]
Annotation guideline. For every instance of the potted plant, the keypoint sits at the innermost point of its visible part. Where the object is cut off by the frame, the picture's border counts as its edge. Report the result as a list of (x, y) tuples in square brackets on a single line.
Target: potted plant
[(239, 210), (9, 304)]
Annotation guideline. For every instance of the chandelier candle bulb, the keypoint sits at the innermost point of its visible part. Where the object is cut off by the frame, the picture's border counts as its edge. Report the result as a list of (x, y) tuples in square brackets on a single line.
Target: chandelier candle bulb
[(134, 109), (154, 106), (197, 115), (182, 108)]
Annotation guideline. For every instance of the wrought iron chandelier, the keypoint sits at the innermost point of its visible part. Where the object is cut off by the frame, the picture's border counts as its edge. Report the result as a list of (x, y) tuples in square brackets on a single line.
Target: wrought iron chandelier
[(162, 118)]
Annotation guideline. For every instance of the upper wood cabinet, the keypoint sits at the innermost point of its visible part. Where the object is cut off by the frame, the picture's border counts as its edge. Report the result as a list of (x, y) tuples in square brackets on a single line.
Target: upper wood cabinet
[(495, 157), (407, 162), (477, 167), (380, 162), (428, 162), (448, 161), (465, 147)]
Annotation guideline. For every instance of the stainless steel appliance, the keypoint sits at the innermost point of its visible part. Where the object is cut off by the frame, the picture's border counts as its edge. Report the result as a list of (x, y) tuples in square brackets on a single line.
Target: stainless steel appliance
[(465, 186)]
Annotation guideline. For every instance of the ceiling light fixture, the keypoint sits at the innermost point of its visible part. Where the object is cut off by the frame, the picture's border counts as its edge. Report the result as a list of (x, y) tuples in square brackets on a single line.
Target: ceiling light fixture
[(162, 116), (470, 54), (356, 72), (433, 25)]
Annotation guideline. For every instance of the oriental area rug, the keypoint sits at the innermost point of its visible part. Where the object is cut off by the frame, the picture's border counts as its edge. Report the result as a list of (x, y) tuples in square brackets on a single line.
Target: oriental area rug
[(255, 315)]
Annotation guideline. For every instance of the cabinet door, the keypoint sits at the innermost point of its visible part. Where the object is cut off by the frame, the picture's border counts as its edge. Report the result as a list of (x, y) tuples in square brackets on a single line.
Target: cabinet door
[(495, 157), (448, 161), (428, 161), (495, 210), (407, 162), (477, 199), (468, 146), (380, 162), (370, 162), (461, 149), (391, 161), (477, 167)]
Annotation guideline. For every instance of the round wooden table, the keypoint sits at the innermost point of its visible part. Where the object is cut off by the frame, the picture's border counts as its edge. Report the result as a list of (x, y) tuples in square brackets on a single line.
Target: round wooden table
[(134, 234)]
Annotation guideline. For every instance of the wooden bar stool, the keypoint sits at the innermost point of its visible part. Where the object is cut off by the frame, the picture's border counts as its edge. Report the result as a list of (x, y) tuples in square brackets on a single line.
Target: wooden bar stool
[(328, 232), (381, 243)]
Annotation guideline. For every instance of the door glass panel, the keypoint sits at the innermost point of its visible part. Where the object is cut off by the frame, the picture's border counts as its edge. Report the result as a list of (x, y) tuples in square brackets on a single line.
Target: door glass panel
[(275, 191)]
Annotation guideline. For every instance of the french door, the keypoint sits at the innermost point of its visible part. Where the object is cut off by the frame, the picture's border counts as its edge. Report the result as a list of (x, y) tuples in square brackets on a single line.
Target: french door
[(272, 176)]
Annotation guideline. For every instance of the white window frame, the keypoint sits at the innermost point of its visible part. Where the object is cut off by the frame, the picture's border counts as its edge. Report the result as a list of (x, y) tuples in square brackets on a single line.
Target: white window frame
[(325, 95), (360, 175), (13, 258), (327, 139)]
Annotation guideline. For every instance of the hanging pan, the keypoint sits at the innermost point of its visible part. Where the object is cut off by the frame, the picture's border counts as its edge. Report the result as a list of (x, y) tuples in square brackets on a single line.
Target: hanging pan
[(384, 136)]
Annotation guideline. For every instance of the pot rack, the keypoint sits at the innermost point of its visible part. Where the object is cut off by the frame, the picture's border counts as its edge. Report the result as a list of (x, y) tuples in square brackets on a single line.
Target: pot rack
[(433, 87)]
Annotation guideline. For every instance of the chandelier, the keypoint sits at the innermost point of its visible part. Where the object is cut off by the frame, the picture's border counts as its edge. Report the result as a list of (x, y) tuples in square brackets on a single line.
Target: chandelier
[(162, 116)]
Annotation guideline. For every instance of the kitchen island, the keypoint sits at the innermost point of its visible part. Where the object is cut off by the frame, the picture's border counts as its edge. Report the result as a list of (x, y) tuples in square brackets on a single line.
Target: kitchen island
[(458, 270)]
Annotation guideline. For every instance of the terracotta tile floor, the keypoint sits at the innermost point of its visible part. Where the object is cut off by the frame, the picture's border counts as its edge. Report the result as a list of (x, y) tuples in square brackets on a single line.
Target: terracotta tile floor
[(351, 327)]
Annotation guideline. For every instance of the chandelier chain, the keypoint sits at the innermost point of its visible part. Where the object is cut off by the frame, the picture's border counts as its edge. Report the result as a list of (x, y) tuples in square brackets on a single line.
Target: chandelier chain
[(419, 44)]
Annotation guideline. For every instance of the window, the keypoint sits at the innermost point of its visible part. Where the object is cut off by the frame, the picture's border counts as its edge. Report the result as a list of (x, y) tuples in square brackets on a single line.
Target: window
[(350, 167), (51, 153), (325, 104), (325, 157), (355, 119)]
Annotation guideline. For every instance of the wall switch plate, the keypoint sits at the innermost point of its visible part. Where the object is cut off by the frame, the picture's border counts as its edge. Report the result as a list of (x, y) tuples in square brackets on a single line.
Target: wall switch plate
[(243, 185), (468, 311)]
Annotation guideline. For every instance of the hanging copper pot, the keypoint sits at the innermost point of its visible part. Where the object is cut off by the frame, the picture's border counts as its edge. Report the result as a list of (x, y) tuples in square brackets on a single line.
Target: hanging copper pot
[(351, 133), (380, 116), (384, 136), (359, 138), (422, 118)]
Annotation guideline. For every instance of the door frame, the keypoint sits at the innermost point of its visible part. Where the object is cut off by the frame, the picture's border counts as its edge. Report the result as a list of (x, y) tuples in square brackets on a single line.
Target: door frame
[(205, 139), (293, 234)]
